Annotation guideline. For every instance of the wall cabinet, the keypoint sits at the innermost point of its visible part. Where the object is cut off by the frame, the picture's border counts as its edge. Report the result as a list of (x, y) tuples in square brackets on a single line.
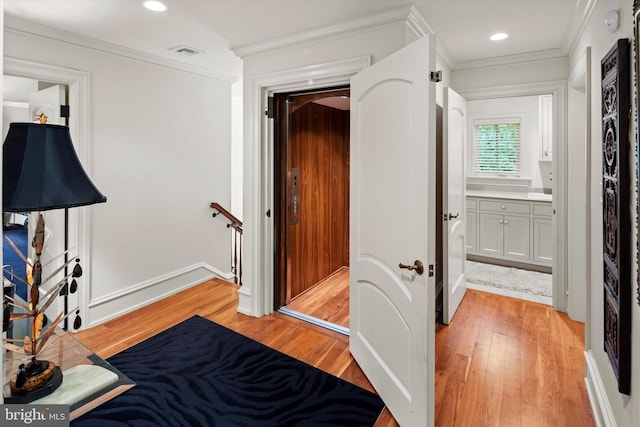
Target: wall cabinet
[(512, 230)]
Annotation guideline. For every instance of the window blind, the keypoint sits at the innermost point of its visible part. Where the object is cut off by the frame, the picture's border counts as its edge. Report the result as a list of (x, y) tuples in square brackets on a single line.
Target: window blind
[(497, 147)]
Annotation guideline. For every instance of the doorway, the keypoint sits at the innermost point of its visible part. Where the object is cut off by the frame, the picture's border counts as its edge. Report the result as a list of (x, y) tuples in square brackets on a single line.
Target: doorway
[(75, 83), (554, 169), (311, 205)]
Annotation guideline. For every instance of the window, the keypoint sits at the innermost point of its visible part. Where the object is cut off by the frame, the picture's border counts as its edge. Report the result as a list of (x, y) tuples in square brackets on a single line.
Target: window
[(497, 147)]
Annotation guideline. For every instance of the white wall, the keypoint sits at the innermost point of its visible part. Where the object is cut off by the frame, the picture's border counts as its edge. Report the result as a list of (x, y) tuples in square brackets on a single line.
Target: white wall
[(159, 149), (578, 230), (616, 408), (236, 150), (13, 112)]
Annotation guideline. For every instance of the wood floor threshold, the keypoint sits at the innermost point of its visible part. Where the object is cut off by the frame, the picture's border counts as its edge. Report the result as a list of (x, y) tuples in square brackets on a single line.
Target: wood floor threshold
[(314, 321)]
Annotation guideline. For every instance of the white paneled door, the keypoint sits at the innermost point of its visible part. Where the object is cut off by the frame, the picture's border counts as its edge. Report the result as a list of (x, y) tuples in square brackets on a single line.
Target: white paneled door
[(454, 227), (392, 215)]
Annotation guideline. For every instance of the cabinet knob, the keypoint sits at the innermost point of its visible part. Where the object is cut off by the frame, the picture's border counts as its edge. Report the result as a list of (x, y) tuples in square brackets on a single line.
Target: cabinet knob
[(503, 207)]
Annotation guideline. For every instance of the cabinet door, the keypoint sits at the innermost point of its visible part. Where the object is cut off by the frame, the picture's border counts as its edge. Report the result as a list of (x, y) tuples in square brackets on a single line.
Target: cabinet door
[(543, 240), (472, 232), (490, 241), (517, 237)]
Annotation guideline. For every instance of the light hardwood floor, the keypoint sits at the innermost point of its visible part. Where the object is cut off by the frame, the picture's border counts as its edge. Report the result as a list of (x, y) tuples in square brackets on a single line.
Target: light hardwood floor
[(328, 300), (217, 300), (508, 362), (501, 362)]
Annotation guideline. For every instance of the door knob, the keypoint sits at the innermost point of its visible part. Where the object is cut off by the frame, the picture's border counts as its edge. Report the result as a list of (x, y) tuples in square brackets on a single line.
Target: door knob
[(453, 216), (417, 266)]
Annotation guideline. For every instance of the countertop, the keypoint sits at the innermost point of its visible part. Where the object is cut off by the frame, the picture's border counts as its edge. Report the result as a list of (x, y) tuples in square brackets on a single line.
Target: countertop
[(513, 195)]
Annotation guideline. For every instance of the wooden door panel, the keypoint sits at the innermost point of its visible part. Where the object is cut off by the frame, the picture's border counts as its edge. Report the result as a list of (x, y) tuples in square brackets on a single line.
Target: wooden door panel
[(318, 243)]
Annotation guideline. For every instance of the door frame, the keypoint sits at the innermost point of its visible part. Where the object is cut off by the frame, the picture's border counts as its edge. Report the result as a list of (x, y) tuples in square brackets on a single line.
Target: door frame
[(79, 219), (256, 297), (559, 90), (284, 266)]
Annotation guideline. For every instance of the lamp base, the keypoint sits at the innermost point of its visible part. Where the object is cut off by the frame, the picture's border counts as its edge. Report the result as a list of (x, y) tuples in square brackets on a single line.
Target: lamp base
[(42, 378)]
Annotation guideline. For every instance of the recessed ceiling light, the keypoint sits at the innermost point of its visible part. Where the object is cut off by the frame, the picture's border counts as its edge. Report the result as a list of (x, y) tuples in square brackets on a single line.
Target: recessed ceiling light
[(156, 6), (499, 36)]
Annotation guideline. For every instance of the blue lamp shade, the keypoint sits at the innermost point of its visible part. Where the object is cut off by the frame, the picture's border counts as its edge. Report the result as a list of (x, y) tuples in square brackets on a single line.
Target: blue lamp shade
[(41, 170)]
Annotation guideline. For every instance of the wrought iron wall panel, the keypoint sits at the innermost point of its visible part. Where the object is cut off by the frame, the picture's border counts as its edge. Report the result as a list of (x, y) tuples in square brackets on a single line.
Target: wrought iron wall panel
[(636, 92), (616, 111)]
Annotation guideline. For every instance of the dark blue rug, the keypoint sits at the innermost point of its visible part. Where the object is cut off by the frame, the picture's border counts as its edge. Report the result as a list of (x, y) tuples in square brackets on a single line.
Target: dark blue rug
[(18, 235), (199, 373)]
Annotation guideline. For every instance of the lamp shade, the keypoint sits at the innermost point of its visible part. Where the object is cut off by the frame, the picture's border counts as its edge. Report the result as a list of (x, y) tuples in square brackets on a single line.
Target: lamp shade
[(41, 170)]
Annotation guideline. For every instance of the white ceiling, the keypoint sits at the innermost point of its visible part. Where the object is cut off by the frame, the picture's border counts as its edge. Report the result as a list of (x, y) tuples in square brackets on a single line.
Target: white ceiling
[(540, 27)]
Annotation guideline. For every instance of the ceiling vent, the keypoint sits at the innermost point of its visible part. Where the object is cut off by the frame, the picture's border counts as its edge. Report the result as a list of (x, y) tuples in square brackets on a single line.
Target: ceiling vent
[(185, 50)]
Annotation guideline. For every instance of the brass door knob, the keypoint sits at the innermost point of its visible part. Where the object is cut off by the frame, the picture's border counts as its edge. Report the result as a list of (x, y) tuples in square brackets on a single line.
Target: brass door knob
[(417, 266)]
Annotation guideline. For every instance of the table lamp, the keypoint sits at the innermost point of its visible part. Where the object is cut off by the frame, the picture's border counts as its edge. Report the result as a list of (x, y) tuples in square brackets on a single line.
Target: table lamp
[(41, 171)]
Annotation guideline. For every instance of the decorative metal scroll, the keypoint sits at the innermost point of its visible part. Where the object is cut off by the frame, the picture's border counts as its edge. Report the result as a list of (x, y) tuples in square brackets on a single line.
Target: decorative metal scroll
[(615, 69)]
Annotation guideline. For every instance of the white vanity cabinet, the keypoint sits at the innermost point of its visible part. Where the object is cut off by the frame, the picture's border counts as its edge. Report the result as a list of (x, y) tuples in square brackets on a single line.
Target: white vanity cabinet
[(509, 229), (542, 233), (471, 237)]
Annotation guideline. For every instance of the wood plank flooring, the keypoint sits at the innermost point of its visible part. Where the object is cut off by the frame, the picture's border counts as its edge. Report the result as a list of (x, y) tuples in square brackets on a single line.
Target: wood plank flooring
[(501, 362), (508, 362), (217, 300), (328, 300)]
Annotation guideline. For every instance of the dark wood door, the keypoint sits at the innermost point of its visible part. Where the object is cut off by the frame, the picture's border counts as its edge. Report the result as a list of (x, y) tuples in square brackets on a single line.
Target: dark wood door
[(312, 194)]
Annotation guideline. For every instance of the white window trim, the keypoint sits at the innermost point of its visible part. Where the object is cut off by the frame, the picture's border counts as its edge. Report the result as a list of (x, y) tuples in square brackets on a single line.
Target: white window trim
[(496, 120)]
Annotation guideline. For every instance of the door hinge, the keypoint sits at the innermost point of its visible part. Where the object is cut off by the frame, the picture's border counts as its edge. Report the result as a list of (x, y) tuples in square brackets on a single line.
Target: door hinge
[(436, 76), (64, 111), (270, 113), (431, 270)]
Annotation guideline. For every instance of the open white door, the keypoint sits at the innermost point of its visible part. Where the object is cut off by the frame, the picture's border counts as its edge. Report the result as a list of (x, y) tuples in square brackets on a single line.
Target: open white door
[(392, 222), (454, 124), (48, 101)]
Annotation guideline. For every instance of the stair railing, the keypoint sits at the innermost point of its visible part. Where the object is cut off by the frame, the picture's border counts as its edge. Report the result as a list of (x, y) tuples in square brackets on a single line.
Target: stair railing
[(236, 225)]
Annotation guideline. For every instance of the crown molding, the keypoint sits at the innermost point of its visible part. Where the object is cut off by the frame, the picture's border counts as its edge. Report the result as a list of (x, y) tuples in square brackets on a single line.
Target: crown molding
[(402, 14), (545, 55), (579, 19), (16, 25), (417, 24)]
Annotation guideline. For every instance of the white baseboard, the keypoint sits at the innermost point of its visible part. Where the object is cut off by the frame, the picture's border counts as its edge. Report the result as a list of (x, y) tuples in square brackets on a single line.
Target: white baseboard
[(118, 303), (244, 302), (602, 411)]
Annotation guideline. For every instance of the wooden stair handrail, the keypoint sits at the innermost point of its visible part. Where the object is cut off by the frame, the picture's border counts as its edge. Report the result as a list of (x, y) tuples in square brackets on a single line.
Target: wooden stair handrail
[(235, 222)]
